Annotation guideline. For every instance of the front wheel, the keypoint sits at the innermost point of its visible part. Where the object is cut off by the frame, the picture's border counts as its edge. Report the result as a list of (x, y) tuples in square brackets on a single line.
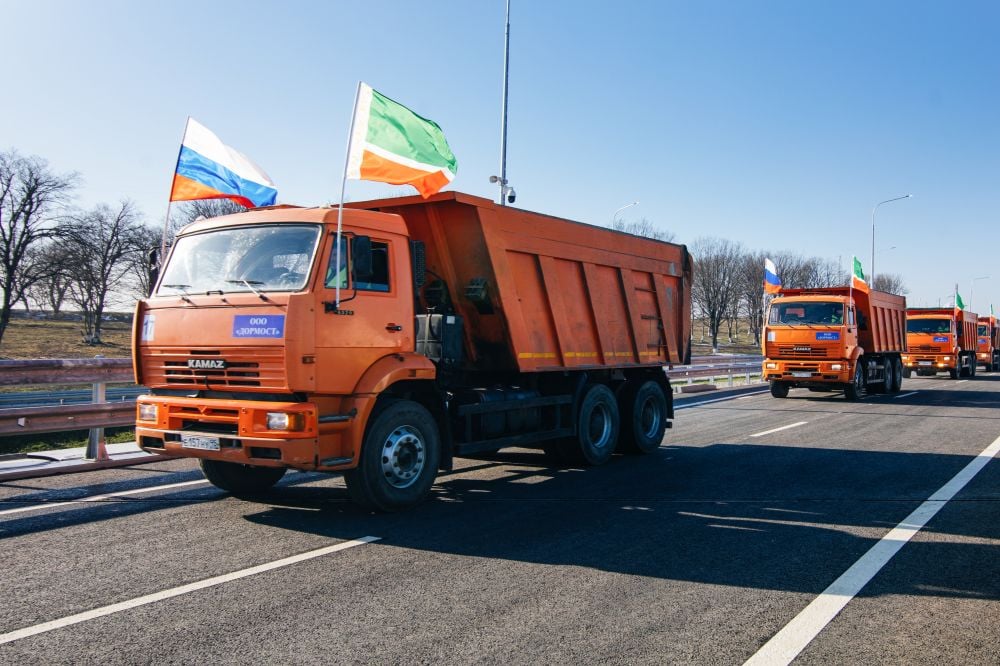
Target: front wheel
[(856, 388), (240, 479), (399, 459), (779, 389)]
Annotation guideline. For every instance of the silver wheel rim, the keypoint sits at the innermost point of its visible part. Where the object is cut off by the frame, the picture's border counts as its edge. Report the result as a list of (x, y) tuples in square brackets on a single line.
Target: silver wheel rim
[(403, 456), (650, 418), (599, 426)]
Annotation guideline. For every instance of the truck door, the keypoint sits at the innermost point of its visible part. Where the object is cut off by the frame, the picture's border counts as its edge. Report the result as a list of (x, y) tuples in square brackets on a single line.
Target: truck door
[(375, 316)]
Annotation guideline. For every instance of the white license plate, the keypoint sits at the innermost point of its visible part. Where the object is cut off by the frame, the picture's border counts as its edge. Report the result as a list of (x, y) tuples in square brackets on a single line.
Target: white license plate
[(199, 442), (925, 363), (802, 374)]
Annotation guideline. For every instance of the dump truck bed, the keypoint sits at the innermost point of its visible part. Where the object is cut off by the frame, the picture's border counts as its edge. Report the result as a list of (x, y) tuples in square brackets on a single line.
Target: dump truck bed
[(541, 293)]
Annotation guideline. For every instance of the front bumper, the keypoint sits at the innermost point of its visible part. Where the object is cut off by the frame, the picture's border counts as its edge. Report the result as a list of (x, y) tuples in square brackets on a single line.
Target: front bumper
[(235, 431), (931, 362), (808, 372)]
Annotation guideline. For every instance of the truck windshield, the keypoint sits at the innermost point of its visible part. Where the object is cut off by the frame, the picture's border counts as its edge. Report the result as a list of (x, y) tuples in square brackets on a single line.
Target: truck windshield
[(928, 326), (811, 312), (982, 330), (234, 259)]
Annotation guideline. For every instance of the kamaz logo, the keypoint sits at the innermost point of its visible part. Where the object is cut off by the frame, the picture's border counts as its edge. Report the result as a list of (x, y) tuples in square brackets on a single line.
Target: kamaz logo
[(207, 363), (803, 348)]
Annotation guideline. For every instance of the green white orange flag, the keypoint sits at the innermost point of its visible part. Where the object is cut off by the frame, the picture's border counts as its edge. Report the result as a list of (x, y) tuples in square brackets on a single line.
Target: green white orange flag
[(858, 278), (392, 144), (959, 303)]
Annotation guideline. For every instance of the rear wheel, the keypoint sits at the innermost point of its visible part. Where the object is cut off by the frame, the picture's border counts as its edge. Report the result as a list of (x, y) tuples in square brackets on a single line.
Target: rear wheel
[(856, 389), (644, 418), (907, 373), (399, 459), (897, 375), (779, 389), (953, 372), (972, 366), (597, 426), (885, 386), (240, 479)]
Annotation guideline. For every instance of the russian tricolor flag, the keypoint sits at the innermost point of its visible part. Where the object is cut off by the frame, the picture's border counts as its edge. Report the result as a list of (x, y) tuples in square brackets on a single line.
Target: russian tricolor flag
[(772, 283), (209, 169)]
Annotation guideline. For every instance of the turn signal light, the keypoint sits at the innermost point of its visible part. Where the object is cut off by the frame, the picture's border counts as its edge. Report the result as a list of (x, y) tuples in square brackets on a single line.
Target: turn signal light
[(147, 412)]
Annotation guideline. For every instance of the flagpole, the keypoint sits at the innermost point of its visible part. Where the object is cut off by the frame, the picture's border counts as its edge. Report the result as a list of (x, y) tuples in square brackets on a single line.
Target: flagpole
[(343, 187), (170, 201)]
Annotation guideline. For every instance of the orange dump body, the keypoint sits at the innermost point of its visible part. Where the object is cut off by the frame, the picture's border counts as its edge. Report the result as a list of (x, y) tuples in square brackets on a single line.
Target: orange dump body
[(540, 293)]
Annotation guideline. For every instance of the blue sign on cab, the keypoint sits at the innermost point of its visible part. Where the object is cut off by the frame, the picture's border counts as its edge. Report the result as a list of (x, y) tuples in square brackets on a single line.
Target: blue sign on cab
[(259, 326), (827, 335)]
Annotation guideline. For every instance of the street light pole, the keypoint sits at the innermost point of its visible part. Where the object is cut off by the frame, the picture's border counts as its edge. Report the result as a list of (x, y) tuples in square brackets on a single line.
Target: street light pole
[(972, 287), (871, 269), (615, 215), (503, 120)]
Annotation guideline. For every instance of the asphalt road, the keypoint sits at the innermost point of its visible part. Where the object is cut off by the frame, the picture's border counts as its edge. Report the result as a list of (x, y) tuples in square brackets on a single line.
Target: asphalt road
[(700, 553)]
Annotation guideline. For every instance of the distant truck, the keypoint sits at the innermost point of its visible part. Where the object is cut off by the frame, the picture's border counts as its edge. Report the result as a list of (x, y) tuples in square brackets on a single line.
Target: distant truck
[(941, 339), (835, 338), (988, 343), (463, 327)]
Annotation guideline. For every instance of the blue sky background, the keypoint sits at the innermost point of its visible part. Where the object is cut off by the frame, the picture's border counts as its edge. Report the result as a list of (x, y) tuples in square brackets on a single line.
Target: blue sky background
[(779, 124)]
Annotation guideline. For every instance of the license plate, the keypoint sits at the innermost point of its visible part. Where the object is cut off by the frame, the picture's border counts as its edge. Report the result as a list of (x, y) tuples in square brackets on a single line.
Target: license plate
[(924, 363), (802, 374), (199, 442)]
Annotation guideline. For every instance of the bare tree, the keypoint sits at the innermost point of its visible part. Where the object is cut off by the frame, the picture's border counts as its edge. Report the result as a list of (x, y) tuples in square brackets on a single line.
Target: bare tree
[(30, 195), (52, 290), (715, 285), (104, 241), (751, 291), (890, 282), (643, 227)]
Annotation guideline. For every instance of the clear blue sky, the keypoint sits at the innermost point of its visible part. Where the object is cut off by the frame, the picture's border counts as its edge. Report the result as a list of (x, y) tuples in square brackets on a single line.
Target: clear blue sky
[(779, 124)]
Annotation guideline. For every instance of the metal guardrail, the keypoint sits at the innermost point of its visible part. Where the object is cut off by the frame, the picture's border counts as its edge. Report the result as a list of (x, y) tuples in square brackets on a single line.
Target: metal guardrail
[(100, 414), (94, 416)]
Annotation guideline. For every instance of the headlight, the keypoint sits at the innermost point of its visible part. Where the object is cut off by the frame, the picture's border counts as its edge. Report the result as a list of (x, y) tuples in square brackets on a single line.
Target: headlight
[(147, 412), (771, 366), (946, 358), (904, 357), (836, 366), (284, 421)]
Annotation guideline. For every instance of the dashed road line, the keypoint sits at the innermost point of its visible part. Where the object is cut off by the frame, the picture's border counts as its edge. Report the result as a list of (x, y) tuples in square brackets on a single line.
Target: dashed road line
[(12, 636), (98, 498), (785, 427), (904, 395)]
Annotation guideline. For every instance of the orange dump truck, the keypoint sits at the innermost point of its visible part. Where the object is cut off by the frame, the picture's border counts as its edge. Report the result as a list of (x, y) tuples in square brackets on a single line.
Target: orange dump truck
[(988, 343), (835, 338), (463, 327), (941, 339)]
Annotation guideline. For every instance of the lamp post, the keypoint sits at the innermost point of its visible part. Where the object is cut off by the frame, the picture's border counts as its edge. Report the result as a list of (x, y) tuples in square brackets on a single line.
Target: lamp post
[(505, 190), (615, 215), (972, 287), (871, 269)]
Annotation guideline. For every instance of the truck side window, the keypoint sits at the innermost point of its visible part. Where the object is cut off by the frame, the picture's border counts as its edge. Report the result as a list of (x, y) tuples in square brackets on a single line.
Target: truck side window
[(380, 269), (337, 269)]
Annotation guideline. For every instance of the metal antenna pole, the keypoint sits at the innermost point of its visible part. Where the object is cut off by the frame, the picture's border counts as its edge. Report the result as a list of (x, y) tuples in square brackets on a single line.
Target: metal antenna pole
[(503, 115)]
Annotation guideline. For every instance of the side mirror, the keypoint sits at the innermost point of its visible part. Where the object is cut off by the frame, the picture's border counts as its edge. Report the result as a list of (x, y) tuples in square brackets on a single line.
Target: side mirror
[(361, 258)]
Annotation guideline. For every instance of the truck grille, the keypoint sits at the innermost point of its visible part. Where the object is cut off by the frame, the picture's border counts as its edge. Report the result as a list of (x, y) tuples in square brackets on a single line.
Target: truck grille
[(245, 367), (927, 349), (801, 351)]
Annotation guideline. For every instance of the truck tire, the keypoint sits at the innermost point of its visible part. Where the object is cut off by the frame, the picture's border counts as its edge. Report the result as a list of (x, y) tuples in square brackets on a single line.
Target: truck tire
[(239, 479), (597, 427), (779, 389), (973, 365), (953, 372), (399, 458), (907, 373), (644, 418), (856, 389), (897, 375)]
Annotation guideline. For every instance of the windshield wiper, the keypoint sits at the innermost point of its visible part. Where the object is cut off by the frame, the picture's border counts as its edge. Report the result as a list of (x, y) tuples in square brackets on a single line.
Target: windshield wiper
[(249, 284), (181, 288)]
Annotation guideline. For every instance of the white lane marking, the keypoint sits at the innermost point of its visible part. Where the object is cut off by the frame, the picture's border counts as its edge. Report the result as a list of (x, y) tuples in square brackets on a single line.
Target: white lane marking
[(706, 402), (786, 427), (960, 381), (97, 498), (177, 591), (903, 395), (785, 645)]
